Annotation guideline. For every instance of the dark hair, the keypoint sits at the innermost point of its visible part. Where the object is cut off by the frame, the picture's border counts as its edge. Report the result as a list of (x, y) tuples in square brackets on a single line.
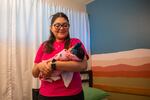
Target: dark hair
[(49, 43), (78, 51)]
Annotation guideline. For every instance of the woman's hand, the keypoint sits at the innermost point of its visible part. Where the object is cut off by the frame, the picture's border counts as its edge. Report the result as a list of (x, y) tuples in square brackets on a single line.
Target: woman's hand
[(45, 68)]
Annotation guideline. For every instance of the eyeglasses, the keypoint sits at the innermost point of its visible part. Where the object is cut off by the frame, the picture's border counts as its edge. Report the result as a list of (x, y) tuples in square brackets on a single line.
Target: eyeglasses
[(59, 25)]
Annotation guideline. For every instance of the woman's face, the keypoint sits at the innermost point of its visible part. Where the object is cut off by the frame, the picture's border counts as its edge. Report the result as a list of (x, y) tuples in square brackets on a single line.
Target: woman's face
[(60, 28)]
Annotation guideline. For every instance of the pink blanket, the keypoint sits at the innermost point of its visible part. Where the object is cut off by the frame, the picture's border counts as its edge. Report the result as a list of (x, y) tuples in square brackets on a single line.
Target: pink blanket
[(64, 55)]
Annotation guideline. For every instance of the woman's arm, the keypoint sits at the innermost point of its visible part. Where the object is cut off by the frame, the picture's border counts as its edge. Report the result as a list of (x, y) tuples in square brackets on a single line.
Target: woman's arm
[(73, 66), (45, 67), (35, 70)]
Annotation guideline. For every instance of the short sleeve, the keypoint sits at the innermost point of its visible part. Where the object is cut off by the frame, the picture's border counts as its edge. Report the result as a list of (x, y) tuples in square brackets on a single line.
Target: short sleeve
[(39, 54), (75, 41)]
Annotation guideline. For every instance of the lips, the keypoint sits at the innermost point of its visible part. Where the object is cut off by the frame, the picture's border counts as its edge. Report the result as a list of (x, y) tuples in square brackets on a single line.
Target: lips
[(62, 32)]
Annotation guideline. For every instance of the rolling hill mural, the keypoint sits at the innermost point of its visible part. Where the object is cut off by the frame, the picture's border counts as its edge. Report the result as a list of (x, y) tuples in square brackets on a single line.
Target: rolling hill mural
[(130, 63), (128, 71)]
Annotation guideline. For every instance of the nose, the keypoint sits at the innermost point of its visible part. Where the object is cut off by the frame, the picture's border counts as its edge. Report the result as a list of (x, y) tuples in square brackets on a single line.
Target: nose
[(61, 27)]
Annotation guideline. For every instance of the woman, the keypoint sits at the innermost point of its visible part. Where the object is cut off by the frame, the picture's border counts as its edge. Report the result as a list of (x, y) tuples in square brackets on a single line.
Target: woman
[(59, 40)]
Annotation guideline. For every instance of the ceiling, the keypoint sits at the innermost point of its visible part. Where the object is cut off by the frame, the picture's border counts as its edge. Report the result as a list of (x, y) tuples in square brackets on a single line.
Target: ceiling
[(84, 1)]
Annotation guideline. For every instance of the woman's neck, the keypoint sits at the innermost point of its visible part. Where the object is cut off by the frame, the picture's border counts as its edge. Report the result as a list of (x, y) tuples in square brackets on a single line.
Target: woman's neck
[(60, 40)]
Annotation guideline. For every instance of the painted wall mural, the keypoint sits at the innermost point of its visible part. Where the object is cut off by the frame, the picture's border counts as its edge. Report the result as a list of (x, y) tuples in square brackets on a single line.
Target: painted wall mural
[(126, 70)]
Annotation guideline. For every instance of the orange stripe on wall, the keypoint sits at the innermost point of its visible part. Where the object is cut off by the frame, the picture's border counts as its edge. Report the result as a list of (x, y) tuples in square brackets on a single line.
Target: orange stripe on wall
[(122, 67), (138, 74)]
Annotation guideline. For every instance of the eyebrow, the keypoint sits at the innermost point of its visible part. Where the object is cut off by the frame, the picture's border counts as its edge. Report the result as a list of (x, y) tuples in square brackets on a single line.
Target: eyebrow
[(61, 23)]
